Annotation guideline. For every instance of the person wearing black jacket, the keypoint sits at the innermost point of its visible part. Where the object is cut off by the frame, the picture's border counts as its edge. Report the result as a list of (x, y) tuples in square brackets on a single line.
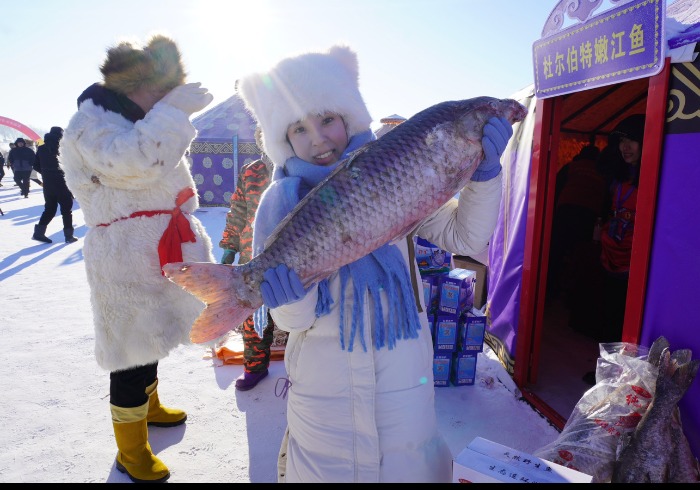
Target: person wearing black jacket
[(21, 158), (2, 168), (56, 191)]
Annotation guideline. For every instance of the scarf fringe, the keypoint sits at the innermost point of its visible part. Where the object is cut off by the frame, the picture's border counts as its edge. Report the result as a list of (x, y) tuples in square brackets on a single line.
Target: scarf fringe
[(384, 270)]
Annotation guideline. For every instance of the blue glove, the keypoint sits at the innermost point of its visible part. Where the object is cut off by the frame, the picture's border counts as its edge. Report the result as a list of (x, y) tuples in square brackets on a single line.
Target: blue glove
[(497, 132), (281, 286), (229, 256)]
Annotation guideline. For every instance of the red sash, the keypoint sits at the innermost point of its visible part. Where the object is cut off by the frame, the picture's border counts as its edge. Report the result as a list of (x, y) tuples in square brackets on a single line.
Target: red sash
[(177, 232)]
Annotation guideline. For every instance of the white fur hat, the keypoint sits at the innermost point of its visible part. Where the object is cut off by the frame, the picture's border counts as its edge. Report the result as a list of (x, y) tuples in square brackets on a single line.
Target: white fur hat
[(310, 83)]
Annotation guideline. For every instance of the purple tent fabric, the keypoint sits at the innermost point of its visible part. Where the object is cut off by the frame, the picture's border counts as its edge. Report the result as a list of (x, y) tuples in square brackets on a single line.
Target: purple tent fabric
[(506, 250), (225, 142), (672, 308)]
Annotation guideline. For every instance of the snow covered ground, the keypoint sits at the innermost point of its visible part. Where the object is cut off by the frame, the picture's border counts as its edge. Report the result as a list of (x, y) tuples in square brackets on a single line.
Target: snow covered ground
[(54, 399)]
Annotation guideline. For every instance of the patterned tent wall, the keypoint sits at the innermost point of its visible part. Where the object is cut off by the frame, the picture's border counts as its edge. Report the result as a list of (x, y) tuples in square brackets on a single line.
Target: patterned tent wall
[(224, 143)]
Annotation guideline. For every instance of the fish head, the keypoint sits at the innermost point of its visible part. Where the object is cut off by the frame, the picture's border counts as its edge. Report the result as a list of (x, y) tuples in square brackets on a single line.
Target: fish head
[(471, 115), (459, 129)]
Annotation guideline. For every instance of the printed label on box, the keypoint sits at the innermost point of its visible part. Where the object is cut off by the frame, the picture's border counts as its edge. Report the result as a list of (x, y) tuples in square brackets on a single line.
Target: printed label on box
[(463, 368), (471, 333), (484, 461), (456, 293), (431, 258), (441, 369), (446, 333)]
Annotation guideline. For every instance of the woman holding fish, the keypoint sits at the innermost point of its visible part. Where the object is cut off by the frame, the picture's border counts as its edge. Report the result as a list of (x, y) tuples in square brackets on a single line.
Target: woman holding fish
[(359, 354)]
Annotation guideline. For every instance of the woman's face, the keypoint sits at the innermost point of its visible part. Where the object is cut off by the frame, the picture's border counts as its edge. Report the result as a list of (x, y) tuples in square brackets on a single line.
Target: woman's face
[(319, 139), (630, 150), (146, 97)]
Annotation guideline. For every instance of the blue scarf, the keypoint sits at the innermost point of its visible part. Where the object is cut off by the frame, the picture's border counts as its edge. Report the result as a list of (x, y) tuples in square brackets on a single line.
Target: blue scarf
[(381, 270)]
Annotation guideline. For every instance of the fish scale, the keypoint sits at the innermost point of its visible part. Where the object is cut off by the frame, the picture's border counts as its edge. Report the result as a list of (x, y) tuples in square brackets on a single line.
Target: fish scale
[(375, 196)]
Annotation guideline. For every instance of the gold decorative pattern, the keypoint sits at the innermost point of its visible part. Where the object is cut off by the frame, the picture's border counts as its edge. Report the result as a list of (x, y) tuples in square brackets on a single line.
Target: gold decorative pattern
[(683, 109)]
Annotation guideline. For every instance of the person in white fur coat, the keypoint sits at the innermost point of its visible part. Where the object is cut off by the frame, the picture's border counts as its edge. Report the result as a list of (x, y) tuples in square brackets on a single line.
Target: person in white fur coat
[(123, 154), (356, 411)]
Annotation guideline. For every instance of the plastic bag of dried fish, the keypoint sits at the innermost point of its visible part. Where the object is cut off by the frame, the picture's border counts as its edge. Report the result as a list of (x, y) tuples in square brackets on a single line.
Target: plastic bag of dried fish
[(625, 383)]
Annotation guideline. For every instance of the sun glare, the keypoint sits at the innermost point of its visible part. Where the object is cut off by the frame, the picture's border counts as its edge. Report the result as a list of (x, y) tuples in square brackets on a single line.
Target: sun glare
[(240, 27)]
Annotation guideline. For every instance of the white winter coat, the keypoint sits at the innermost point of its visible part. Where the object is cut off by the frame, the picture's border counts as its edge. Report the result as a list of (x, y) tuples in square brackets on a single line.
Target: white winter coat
[(114, 168), (370, 416)]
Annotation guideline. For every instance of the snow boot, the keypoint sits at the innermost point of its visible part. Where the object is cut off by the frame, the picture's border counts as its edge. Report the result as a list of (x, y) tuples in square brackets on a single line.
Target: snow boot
[(135, 457), (68, 234), (248, 381), (39, 234), (160, 416)]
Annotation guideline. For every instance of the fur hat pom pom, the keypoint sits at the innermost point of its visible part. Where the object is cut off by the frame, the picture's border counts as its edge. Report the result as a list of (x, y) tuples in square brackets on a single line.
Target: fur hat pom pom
[(157, 65)]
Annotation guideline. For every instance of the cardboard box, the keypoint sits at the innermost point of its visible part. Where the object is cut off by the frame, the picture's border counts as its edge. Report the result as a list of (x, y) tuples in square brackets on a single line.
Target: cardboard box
[(456, 291), (441, 369), (431, 258), (480, 288), (484, 461), (463, 368), (446, 330), (431, 284), (472, 328)]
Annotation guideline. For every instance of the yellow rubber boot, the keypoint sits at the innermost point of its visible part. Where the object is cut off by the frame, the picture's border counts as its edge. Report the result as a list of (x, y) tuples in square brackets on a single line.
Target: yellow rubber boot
[(160, 416), (135, 457)]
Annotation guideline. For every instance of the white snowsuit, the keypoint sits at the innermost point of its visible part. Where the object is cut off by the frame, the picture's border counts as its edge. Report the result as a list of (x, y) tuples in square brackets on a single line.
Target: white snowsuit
[(370, 416)]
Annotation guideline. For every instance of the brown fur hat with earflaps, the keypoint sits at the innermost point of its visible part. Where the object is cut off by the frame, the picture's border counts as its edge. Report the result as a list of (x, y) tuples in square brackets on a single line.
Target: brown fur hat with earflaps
[(129, 68)]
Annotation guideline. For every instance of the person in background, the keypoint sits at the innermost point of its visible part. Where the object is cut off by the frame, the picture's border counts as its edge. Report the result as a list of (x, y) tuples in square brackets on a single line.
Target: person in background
[(56, 191), (355, 413), (618, 226), (123, 154), (21, 159), (2, 167), (9, 165), (253, 179), (578, 203)]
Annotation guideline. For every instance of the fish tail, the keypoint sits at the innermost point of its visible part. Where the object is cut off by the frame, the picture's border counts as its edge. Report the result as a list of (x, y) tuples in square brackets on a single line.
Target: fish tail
[(685, 374), (657, 348), (675, 377), (221, 288)]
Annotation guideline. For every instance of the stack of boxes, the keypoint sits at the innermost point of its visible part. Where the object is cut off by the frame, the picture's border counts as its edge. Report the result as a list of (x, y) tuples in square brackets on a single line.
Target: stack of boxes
[(457, 329)]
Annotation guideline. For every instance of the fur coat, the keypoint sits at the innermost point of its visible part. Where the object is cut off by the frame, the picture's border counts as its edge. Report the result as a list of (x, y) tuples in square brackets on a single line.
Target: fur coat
[(114, 168)]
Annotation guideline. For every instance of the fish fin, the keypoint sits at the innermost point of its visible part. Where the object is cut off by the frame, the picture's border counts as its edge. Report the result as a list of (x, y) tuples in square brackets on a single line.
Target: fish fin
[(215, 286)]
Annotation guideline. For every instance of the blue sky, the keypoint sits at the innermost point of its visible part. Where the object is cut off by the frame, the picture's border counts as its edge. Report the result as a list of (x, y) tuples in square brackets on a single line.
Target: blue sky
[(412, 53)]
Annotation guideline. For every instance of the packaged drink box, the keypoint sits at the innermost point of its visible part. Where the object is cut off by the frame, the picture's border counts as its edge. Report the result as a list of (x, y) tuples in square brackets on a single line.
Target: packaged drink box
[(446, 330), (431, 258), (456, 291), (441, 369), (472, 328), (463, 368), (484, 461), (430, 291), (464, 262)]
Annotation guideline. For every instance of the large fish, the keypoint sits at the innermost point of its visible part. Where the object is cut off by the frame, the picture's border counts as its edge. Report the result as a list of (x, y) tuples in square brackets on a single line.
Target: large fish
[(375, 196), (658, 451)]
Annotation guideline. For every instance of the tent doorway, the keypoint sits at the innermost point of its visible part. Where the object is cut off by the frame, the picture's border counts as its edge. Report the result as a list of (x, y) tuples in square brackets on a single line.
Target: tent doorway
[(560, 310)]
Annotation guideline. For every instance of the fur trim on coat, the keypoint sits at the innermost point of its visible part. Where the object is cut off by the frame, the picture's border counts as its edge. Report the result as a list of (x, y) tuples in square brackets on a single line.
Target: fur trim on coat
[(310, 83), (129, 68), (115, 168)]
